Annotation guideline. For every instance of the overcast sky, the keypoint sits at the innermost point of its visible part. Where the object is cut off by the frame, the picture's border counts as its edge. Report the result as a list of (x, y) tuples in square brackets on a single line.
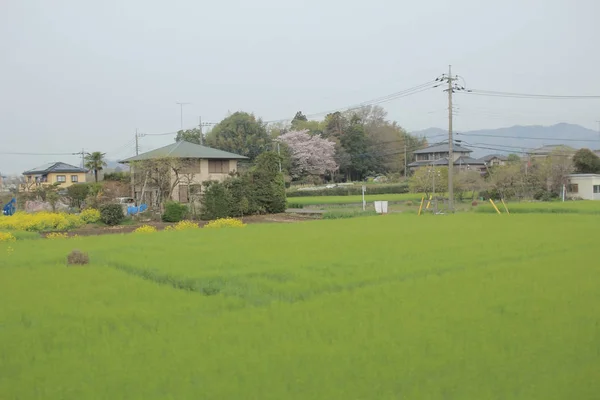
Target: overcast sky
[(85, 74)]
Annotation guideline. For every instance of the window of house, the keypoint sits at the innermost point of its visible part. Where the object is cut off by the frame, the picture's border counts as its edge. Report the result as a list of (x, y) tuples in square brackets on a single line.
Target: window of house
[(184, 193), (190, 167), (218, 166), (596, 188), (573, 188), (74, 178), (61, 178)]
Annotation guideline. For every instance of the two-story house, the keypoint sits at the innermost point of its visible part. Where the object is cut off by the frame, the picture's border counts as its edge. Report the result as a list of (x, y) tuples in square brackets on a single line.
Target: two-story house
[(439, 153), (495, 160), (185, 165), (55, 173)]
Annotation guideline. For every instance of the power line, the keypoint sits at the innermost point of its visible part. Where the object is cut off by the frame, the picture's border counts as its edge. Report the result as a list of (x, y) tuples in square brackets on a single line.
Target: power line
[(491, 93), (379, 100), (39, 154), (529, 137)]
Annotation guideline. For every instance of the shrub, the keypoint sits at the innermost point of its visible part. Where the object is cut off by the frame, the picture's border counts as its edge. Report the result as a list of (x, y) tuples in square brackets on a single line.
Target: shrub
[(7, 237), (351, 190), (145, 229), (185, 225), (77, 257), (90, 216), (225, 223), (112, 214), (174, 212), (217, 201), (78, 193), (295, 205), (40, 222)]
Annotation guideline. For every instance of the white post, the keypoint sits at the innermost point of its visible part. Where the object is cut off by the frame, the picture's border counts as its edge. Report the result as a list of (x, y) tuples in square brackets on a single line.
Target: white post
[(363, 197), (564, 190)]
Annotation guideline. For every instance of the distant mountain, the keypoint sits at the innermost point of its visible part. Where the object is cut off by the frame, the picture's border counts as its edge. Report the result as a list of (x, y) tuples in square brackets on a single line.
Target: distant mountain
[(114, 166), (518, 138)]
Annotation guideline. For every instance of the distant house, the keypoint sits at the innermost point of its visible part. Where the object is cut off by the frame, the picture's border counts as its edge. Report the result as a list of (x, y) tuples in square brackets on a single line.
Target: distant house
[(585, 186), (553, 149), (438, 154), (195, 164), (494, 160), (59, 173)]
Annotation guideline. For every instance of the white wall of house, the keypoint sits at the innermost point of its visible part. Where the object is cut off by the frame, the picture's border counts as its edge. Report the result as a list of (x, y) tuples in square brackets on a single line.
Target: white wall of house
[(586, 186)]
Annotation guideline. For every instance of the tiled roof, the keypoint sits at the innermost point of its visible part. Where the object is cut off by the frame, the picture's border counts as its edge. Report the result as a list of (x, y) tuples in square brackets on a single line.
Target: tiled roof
[(56, 167), (442, 148), (184, 149), (490, 157)]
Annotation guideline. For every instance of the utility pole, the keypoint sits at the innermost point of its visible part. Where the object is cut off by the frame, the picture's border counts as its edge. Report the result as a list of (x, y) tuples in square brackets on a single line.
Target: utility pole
[(82, 158), (200, 127), (450, 144), (181, 112), (405, 156), (137, 143), (279, 154)]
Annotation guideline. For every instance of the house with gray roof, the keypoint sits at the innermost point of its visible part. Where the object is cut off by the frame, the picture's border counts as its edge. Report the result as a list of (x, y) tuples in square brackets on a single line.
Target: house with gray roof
[(494, 160), (438, 154), (184, 166), (59, 174)]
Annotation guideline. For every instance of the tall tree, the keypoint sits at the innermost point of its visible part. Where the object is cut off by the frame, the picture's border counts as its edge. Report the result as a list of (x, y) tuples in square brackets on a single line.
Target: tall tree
[(356, 143), (190, 135), (240, 133), (310, 154), (95, 162), (298, 118), (586, 162)]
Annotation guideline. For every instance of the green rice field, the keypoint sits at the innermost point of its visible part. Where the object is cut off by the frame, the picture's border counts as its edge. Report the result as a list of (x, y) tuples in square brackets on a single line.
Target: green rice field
[(465, 306), (325, 200)]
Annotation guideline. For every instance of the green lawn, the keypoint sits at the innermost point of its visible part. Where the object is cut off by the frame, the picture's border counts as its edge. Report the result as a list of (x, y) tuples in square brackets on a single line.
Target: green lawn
[(554, 207), (469, 306), (325, 200)]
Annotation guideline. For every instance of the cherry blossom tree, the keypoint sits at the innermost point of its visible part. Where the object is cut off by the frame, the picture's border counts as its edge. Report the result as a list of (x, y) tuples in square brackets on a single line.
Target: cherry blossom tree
[(310, 154)]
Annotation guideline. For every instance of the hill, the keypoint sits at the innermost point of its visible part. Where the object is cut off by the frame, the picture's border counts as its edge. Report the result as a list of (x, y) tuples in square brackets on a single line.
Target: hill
[(519, 138)]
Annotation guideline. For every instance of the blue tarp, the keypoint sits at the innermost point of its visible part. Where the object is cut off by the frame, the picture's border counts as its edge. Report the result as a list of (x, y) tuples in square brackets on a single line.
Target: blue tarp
[(10, 208), (132, 210)]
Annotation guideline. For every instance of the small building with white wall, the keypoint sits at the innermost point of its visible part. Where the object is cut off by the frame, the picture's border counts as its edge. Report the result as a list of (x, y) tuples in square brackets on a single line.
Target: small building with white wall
[(585, 186)]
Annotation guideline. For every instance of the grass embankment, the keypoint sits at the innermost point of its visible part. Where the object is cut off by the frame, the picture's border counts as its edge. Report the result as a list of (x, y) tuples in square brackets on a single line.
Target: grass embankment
[(467, 306)]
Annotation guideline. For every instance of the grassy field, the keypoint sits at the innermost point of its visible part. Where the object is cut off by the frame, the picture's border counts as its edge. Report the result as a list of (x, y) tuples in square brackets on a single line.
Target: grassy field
[(384, 307), (325, 200), (554, 207)]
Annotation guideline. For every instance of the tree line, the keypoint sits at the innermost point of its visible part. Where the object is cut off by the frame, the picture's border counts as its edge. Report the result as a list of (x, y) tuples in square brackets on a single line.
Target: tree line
[(344, 146)]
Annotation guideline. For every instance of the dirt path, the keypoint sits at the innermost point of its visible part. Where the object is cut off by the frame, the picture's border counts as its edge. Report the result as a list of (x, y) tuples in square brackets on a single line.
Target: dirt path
[(255, 219)]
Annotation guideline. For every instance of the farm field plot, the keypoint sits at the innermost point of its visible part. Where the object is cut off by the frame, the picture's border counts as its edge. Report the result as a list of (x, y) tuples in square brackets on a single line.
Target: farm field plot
[(323, 200), (554, 207), (469, 306)]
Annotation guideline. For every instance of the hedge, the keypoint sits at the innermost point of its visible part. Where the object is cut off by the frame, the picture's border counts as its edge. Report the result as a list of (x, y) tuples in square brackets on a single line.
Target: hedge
[(351, 191)]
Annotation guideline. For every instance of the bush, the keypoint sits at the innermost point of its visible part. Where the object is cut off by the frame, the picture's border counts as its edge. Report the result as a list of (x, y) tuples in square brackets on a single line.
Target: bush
[(77, 257), (174, 212), (124, 177), (112, 214), (78, 193), (217, 201), (295, 205), (90, 216), (225, 223), (145, 229), (261, 190), (41, 222), (351, 191), (185, 225)]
